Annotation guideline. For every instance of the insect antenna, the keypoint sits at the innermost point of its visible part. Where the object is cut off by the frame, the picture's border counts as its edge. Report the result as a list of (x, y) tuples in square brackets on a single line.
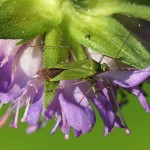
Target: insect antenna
[(71, 54), (119, 110), (124, 67), (117, 54), (86, 93), (79, 82)]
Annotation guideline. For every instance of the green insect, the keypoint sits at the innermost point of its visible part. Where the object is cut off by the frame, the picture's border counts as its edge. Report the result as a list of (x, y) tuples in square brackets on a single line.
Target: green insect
[(72, 70)]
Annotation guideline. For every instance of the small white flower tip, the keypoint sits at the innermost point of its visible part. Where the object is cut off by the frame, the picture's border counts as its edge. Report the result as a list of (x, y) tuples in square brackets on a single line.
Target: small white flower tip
[(31, 129), (66, 136), (15, 126), (128, 132), (23, 119)]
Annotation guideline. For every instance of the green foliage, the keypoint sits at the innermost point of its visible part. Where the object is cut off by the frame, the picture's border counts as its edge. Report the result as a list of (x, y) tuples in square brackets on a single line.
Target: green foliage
[(26, 19)]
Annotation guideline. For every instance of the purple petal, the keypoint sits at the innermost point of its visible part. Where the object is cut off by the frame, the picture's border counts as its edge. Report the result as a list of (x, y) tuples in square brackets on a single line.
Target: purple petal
[(148, 80), (74, 87), (53, 108), (138, 92), (118, 123), (106, 112), (106, 105), (65, 127), (5, 76), (36, 108), (66, 103), (8, 50), (77, 133), (27, 63), (127, 78), (32, 129), (80, 117), (77, 89), (57, 123)]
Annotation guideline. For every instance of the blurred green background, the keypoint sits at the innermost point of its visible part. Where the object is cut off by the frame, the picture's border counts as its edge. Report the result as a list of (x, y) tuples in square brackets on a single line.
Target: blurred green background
[(138, 121)]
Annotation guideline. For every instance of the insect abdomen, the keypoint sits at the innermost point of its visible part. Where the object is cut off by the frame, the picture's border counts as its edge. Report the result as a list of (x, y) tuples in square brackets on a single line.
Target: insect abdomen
[(49, 73)]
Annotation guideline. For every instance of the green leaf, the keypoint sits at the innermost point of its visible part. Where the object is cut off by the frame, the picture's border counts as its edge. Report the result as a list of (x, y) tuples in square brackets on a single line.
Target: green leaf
[(24, 19), (74, 47), (103, 33), (88, 4), (121, 7), (53, 55), (1, 1), (141, 2)]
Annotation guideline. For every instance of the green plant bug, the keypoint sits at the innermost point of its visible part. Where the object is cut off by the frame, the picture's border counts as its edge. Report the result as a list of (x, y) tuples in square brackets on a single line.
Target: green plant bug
[(72, 70)]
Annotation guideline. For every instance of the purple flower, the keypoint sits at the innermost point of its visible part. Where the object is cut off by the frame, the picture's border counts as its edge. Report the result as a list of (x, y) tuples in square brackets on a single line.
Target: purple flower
[(69, 111), (36, 108), (105, 99), (19, 64), (130, 80), (71, 106)]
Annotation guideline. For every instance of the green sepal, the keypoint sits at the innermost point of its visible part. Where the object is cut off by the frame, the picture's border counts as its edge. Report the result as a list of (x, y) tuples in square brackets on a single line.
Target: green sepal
[(126, 7), (53, 55), (50, 89), (24, 19), (88, 4)]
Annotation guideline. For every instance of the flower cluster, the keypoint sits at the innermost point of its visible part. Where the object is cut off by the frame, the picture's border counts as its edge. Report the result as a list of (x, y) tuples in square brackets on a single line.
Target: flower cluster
[(74, 78), (70, 106)]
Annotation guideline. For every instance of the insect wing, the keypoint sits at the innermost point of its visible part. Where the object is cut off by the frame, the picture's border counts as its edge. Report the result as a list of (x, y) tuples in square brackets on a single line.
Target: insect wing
[(70, 74), (47, 74), (70, 65)]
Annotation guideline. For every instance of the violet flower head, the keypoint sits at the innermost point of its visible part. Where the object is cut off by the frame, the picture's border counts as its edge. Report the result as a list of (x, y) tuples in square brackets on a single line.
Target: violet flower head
[(64, 61), (18, 66)]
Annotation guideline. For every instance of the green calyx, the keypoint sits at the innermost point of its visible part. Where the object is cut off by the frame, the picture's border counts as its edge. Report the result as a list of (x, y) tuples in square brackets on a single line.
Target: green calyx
[(24, 19)]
